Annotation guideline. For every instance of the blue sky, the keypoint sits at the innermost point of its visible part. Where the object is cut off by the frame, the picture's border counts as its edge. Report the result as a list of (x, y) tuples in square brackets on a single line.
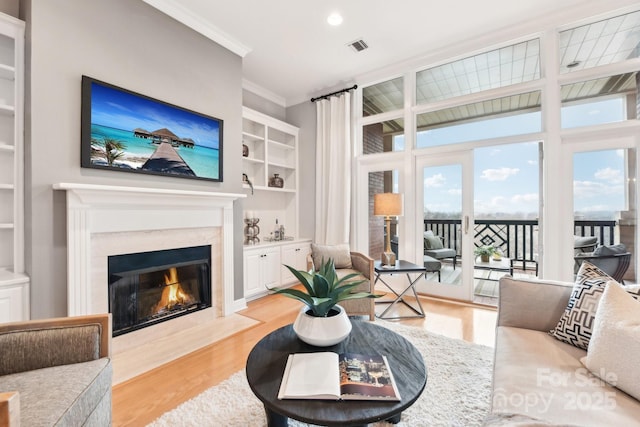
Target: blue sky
[(122, 110), (506, 177)]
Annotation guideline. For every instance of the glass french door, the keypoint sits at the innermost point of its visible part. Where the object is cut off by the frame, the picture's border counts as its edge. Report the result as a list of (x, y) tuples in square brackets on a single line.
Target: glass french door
[(444, 224)]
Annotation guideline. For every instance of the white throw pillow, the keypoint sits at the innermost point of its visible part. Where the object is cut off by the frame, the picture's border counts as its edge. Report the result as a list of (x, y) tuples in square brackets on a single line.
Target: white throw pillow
[(615, 341), (340, 254)]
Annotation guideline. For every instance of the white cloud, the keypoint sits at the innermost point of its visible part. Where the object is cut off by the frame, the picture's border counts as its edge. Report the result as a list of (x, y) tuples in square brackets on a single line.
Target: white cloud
[(524, 198), (437, 180), (590, 189), (498, 174), (614, 176), (532, 162), (455, 191)]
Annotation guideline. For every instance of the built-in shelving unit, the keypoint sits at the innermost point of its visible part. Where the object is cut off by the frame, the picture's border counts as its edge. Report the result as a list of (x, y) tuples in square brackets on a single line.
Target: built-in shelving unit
[(273, 149), (14, 283)]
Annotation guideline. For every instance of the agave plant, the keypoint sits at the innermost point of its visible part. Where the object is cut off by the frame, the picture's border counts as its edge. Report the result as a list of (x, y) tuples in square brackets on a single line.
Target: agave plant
[(323, 288)]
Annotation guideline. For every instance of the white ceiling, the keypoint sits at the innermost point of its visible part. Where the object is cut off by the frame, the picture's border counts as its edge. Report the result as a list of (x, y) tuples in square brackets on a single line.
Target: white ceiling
[(291, 51)]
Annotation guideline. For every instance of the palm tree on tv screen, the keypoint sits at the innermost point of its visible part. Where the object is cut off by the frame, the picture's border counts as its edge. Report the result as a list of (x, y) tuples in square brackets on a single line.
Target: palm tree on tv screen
[(113, 149)]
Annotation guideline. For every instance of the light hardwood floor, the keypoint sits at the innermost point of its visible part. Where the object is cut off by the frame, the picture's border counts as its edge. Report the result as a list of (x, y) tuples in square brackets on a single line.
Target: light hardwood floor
[(142, 399)]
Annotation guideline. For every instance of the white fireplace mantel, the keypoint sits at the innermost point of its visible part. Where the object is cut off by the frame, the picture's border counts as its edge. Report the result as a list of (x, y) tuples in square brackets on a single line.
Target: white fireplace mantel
[(110, 209)]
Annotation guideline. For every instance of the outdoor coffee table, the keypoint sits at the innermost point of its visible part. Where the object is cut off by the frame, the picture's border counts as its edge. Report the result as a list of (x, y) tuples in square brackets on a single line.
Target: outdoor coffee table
[(502, 265), (268, 358)]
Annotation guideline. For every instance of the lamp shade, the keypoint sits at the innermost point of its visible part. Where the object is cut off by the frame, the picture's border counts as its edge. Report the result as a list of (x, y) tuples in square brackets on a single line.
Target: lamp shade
[(388, 204)]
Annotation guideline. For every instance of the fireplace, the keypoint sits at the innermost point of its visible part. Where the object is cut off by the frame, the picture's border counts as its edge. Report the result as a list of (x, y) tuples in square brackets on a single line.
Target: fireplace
[(146, 288), (105, 221)]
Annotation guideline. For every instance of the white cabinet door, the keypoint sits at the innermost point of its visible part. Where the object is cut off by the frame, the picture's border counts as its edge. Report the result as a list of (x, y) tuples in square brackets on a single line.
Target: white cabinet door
[(252, 276), (271, 268), (11, 305), (294, 255), (261, 270)]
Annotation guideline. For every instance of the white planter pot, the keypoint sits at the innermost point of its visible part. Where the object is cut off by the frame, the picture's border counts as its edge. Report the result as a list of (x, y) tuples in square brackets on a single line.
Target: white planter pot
[(322, 331)]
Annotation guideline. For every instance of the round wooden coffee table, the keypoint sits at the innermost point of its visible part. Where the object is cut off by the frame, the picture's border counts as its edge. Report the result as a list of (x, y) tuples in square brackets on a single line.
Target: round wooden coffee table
[(268, 358)]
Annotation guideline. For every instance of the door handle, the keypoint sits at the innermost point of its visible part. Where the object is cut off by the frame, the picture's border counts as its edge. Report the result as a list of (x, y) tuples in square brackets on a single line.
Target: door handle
[(466, 224)]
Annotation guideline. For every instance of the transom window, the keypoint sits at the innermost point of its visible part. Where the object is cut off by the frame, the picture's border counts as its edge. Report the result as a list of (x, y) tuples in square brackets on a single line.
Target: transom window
[(600, 43), (506, 66)]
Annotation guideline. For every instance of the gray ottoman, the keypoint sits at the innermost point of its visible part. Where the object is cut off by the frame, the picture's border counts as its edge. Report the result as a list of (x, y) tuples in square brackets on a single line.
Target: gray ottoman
[(432, 265)]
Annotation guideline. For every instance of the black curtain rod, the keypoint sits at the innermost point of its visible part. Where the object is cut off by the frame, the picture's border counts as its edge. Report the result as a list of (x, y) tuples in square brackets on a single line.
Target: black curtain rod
[(354, 87)]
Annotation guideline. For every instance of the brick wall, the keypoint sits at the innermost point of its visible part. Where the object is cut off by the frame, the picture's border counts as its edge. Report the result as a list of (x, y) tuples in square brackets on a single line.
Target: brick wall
[(373, 142)]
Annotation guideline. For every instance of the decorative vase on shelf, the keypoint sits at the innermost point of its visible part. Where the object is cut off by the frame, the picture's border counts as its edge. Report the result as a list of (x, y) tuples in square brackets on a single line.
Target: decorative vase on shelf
[(245, 150), (276, 181)]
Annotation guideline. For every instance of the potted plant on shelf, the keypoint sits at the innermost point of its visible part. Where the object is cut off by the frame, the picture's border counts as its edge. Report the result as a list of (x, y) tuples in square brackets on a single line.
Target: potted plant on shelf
[(322, 321), (484, 252)]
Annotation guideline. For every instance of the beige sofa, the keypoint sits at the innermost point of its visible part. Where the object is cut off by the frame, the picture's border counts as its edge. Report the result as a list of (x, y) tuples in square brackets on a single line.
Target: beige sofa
[(538, 380), (56, 372)]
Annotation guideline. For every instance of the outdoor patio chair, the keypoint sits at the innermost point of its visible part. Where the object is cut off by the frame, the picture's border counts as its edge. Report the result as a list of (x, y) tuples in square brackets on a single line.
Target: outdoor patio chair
[(584, 244), (613, 260), (434, 247)]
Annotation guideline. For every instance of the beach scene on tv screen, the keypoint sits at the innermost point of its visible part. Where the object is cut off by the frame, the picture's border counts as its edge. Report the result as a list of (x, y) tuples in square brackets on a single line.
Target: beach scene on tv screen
[(133, 132)]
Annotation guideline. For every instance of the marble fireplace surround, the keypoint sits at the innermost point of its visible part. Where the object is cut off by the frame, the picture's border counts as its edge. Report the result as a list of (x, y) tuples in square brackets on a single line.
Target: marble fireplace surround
[(110, 220)]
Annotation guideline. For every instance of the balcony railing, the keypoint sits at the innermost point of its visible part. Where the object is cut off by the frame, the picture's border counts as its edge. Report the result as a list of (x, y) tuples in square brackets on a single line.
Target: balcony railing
[(517, 239)]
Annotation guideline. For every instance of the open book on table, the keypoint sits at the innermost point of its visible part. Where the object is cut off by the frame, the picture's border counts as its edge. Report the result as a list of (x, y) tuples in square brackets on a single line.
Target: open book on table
[(332, 376)]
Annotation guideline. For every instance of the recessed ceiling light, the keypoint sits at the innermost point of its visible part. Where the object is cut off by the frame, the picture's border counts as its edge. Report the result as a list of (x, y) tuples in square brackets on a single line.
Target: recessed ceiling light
[(334, 19)]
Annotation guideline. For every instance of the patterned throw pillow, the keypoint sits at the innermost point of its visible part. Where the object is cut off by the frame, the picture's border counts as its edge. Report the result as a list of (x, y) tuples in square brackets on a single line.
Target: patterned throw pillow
[(576, 323)]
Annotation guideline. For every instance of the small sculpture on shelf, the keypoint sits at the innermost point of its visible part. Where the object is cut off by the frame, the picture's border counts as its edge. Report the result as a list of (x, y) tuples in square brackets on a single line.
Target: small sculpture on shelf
[(247, 181), (251, 229), (245, 150)]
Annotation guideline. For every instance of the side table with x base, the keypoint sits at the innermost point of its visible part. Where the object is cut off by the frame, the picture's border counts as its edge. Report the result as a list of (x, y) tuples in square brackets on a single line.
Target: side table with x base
[(400, 267)]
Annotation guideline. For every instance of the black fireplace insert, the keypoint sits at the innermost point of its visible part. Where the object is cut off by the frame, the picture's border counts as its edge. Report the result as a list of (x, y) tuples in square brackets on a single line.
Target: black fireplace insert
[(146, 288)]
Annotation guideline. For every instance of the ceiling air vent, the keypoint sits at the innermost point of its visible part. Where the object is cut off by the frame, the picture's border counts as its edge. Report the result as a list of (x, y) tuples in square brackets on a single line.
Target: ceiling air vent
[(358, 45)]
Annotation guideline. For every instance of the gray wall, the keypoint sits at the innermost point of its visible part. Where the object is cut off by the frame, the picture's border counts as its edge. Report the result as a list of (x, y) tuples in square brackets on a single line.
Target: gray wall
[(303, 115), (134, 46), (265, 106), (10, 7)]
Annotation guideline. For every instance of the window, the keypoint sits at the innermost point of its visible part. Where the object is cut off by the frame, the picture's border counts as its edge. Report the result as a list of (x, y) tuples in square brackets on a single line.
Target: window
[(599, 191), (598, 101), (383, 137), (600, 43), (506, 66), (383, 97), (382, 182), (512, 115)]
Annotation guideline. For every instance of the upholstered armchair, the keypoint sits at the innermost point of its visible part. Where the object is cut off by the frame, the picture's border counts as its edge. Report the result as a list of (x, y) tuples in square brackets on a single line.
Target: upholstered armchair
[(347, 262), (56, 372)]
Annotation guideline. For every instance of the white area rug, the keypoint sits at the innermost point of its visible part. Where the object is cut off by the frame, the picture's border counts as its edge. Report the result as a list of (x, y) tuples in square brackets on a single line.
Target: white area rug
[(457, 391)]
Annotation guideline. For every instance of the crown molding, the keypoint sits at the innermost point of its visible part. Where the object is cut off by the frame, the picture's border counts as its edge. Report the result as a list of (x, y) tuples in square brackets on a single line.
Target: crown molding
[(183, 15), (264, 93)]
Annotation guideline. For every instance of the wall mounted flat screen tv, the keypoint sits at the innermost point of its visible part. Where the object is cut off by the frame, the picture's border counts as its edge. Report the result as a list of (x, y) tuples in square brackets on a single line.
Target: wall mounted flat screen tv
[(125, 131)]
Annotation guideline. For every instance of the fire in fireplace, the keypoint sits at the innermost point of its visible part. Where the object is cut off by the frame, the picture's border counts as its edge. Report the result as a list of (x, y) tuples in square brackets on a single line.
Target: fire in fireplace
[(150, 287)]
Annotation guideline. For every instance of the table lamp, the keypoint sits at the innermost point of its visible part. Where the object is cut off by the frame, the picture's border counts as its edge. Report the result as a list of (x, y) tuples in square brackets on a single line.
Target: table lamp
[(388, 205)]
